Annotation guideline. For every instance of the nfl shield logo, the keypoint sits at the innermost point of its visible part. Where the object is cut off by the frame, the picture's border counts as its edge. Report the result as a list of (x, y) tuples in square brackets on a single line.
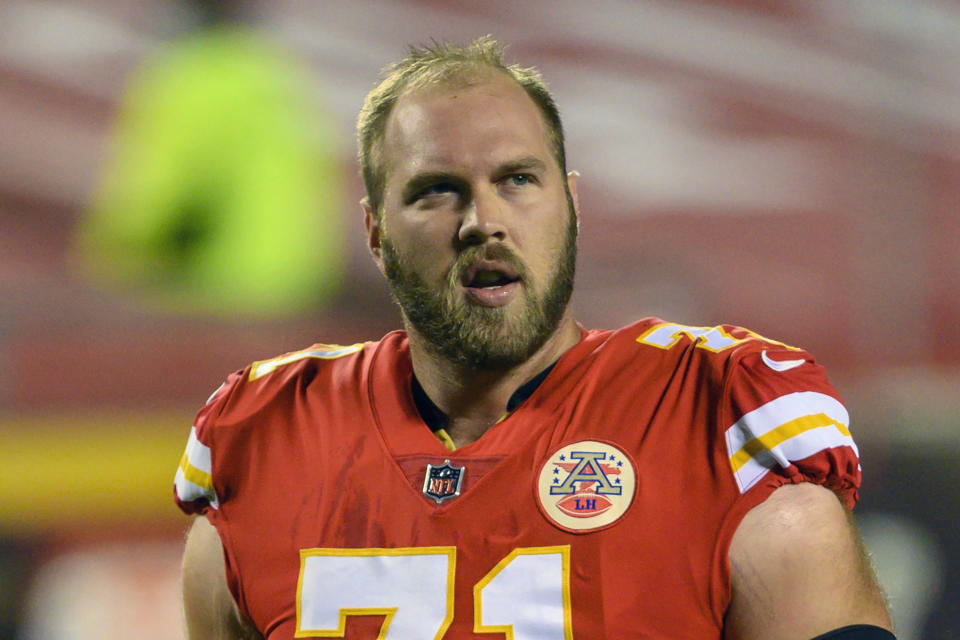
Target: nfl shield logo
[(442, 482)]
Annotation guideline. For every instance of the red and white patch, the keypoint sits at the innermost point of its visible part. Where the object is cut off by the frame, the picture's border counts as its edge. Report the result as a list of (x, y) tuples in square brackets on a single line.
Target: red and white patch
[(586, 486)]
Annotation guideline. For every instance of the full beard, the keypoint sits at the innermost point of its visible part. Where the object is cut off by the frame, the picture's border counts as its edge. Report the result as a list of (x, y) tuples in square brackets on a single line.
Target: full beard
[(472, 335)]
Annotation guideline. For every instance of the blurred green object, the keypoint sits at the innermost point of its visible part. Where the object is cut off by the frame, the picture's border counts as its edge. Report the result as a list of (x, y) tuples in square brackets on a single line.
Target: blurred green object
[(222, 192)]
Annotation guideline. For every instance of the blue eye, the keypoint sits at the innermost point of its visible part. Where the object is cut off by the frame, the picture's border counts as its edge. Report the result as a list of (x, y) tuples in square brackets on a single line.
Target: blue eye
[(520, 179)]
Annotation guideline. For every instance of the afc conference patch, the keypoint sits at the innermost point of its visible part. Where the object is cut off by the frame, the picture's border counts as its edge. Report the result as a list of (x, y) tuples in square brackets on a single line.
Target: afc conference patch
[(586, 486), (443, 482)]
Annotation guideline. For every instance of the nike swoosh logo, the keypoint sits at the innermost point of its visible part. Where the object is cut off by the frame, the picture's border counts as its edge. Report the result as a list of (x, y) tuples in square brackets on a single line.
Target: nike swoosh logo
[(780, 365)]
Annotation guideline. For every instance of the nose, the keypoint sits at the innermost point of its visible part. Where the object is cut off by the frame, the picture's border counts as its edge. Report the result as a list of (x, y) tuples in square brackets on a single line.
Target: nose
[(483, 219)]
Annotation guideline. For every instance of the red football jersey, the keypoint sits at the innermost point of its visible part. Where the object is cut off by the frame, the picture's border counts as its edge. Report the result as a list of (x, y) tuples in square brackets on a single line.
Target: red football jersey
[(602, 507)]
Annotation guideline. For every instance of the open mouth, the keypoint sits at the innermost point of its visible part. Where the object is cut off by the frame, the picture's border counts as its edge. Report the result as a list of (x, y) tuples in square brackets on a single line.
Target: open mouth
[(491, 283), (489, 275), (490, 280)]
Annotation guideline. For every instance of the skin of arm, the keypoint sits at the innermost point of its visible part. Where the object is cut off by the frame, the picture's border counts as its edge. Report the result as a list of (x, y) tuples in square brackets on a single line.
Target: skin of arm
[(208, 605), (798, 569)]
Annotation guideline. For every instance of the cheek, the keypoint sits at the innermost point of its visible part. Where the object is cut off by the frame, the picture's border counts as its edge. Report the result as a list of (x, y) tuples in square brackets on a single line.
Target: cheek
[(549, 231), (425, 256), (550, 251), (542, 257), (417, 235)]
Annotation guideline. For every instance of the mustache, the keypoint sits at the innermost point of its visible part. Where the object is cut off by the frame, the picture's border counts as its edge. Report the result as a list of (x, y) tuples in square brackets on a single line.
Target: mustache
[(472, 255)]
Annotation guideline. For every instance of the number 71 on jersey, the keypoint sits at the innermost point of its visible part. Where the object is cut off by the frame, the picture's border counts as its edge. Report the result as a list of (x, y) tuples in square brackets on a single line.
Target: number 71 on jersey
[(526, 596)]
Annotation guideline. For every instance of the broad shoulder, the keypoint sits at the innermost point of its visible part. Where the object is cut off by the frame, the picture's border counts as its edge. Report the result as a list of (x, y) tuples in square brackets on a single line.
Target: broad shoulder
[(708, 353), (249, 390), (798, 569)]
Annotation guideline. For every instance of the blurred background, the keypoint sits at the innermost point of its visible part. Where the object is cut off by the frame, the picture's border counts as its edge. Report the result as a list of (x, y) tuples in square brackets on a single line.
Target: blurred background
[(178, 198)]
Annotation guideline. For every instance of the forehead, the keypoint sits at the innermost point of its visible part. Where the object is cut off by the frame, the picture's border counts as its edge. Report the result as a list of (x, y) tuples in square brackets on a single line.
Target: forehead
[(464, 127)]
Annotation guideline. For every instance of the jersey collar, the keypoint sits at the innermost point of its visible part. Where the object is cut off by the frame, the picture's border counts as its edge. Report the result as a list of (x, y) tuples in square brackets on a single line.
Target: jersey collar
[(436, 419)]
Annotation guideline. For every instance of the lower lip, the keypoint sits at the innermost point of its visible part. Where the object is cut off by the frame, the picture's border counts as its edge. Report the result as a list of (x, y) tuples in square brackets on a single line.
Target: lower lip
[(493, 296)]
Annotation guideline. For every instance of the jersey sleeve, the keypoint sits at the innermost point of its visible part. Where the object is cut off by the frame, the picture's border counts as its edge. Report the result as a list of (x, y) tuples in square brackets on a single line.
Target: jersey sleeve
[(194, 490), (785, 423)]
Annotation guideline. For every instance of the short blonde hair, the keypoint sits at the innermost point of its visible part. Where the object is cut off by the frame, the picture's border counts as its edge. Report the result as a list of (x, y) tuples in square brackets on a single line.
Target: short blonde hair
[(442, 64)]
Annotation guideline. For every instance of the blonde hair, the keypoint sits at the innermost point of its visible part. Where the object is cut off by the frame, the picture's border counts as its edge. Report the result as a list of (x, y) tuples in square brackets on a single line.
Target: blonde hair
[(436, 65)]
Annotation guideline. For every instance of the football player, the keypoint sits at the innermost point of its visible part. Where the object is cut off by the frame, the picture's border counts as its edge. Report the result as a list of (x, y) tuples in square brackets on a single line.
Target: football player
[(496, 468)]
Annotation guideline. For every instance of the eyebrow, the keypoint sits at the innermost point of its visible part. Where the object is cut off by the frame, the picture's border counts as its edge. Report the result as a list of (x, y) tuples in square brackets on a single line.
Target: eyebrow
[(527, 163), (422, 180)]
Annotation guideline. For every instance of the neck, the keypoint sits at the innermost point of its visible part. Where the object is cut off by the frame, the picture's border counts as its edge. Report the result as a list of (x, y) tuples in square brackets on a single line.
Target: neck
[(475, 399)]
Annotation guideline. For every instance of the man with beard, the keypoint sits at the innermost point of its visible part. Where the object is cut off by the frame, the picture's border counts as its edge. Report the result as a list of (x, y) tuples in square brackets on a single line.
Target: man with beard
[(496, 468)]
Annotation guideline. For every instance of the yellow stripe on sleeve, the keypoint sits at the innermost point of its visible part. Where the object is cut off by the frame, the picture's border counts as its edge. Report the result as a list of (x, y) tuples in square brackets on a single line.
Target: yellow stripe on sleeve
[(197, 476), (784, 430), (781, 434)]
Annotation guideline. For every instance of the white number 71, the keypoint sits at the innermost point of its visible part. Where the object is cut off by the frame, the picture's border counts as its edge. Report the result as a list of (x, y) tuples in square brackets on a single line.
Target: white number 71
[(525, 596)]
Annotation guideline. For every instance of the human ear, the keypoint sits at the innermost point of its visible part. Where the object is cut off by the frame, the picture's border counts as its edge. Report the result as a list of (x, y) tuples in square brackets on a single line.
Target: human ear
[(372, 225), (573, 177)]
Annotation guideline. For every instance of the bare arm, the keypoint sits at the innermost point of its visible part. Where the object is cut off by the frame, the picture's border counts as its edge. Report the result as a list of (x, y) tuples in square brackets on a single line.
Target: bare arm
[(209, 608), (798, 569)]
